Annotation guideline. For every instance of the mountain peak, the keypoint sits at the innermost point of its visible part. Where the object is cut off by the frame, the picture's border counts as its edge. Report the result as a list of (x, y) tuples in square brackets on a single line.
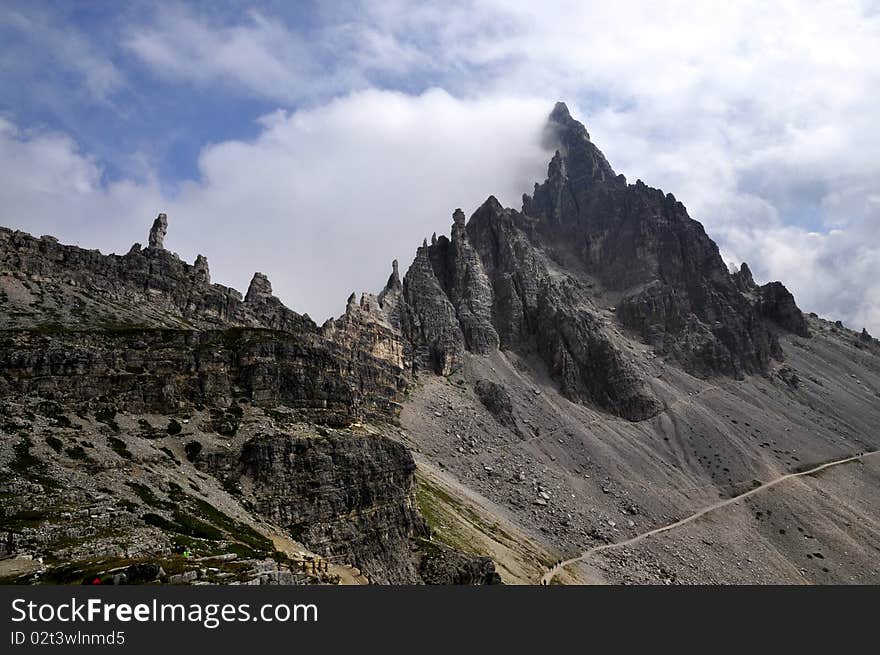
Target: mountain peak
[(560, 112), (564, 126)]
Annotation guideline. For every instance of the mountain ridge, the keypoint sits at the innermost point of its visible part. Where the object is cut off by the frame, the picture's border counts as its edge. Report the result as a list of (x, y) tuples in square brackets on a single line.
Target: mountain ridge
[(599, 315)]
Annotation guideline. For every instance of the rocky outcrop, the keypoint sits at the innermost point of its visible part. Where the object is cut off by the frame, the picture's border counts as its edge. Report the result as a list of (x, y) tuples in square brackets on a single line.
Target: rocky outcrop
[(777, 304), (440, 565), (540, 310), (491, 286), (365, 337), (259, 290), (743, 279), (201, 272), (143, 287), (158, 231), (468, 288), (346, 495), (772, 301), (496, 399), (526, 281), (429, 322), (390, 299)]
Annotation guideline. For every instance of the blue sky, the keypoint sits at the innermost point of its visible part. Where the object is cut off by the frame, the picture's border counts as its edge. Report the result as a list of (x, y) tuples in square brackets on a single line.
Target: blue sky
[(317, 141)]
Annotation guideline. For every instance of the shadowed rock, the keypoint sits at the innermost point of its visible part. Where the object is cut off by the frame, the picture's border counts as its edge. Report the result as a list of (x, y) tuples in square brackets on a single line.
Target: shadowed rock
[(743, 279), (779, 306)]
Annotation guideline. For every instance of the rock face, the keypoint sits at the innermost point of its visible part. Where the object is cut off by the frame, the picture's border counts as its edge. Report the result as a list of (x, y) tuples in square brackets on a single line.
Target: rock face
[(145, 370), (743, 279), (779, 306), (201, 271), (541, 310), (428, 320), (673, 287), (259, 290), (148, 333), (343, 495)]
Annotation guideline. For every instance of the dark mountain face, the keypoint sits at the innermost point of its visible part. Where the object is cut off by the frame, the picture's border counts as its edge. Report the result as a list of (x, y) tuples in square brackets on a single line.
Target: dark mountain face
[(530, 281)]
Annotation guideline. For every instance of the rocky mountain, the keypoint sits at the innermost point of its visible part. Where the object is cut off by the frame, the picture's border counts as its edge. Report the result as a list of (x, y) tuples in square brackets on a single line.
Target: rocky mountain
[(543, 380)]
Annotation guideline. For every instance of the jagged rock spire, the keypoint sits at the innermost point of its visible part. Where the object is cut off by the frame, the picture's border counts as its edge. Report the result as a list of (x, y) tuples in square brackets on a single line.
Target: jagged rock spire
[(562, 121), (202, 272), (394, 278), (260, 288), (743, 278), (158, 231)]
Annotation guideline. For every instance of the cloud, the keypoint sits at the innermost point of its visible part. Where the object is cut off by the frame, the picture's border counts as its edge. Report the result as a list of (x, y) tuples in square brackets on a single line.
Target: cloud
[(261, 55), (324, 199), (49, 186), (38, 47), (258, 55), (321, 201)]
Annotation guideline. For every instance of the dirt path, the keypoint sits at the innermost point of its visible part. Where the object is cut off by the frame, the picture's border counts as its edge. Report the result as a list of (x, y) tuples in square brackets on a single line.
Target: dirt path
[(348, 575), (15, 566), (547, 578)]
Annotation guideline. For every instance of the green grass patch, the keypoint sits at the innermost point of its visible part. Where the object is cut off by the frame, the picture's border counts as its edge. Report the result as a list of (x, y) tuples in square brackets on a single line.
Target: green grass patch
[(28, 465), (119, 447), (148, 497), (55, 443), (170, 454), (24, 519), (106, 415), (78, 453), (193, 450)]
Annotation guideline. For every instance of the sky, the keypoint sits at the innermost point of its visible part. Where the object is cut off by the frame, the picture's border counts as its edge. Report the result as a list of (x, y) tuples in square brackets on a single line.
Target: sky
[(316, 142)]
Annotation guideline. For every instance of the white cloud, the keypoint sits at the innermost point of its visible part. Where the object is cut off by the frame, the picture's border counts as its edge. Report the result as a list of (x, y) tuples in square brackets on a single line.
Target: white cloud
[(324, 199), (258, 55), (321, 201), (263, 56), (49, 187), (40, 44)]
